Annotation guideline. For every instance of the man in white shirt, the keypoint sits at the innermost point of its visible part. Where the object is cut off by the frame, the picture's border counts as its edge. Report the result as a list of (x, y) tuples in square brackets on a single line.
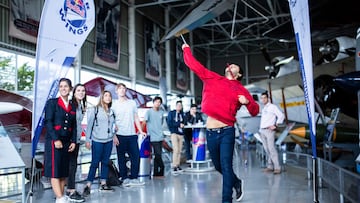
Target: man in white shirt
[(271, 116), (126, 139)]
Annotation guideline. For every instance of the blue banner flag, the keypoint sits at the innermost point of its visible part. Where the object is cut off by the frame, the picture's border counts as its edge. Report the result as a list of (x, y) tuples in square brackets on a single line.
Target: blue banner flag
[(300, 17), (64, 26)]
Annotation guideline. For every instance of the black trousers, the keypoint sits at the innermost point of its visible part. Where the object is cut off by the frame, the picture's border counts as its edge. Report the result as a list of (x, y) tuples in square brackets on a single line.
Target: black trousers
[(158, 162), (72, 167)]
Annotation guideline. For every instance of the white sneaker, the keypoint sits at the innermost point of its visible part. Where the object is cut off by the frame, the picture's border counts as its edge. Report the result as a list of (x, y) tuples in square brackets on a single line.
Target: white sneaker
[(136, 182), (126, 182), (175, 171), (62, 199)]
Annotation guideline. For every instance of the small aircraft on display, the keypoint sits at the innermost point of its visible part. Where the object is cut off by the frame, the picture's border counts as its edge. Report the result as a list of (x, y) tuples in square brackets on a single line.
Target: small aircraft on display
[(279, 66), (331, 87), (333, 50), (336, 49)]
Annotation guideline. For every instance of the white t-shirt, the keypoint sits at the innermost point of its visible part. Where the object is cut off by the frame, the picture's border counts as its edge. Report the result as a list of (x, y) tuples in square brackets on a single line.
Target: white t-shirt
[(125, 112)]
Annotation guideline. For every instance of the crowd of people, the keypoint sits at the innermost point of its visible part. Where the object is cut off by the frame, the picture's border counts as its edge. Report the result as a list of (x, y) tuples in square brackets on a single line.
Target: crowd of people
[(116, 123)]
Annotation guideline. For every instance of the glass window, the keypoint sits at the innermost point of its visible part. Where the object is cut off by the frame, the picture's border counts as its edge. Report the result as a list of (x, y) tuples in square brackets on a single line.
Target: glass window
[(7, 71)]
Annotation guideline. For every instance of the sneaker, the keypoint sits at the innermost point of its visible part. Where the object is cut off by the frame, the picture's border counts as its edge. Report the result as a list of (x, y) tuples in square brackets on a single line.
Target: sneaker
[(126, 182), (86, 191), (239, 190), (121, 181), (106, 188), (189, 161), (136, 182), (175, 171), (277, 171), (76, 197), (62, 199), (179, 169), (268, 170)]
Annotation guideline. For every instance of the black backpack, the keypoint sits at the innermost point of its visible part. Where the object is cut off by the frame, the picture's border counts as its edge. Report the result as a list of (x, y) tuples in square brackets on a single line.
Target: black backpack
[(113, 176)]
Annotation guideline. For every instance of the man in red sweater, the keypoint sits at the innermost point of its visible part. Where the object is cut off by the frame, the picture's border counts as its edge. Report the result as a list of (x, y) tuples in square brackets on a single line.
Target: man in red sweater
[(222, 96)]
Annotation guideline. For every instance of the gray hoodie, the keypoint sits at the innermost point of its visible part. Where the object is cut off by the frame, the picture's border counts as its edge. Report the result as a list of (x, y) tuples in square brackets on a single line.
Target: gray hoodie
[(100, 129)]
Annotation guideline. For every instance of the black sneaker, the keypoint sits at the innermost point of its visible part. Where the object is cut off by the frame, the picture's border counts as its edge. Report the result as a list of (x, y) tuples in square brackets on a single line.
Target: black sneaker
[(179, 169), (106, 188), (86, 191), (175, 171), (239, 190), (76, 197)]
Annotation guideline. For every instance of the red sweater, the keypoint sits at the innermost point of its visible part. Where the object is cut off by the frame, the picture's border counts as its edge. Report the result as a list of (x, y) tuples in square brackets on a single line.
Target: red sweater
[(220, 95)]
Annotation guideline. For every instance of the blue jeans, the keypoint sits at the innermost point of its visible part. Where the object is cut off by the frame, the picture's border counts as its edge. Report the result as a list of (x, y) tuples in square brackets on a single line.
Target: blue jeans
[(220, 144), (130, 145), (100, 152)]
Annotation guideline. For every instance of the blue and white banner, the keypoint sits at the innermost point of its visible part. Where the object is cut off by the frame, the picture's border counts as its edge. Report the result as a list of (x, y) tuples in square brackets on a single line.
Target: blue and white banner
[(300, 17), (64, 26)]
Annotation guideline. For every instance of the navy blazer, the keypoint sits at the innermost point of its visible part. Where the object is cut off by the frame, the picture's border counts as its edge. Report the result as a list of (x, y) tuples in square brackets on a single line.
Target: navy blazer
[(60, 123)]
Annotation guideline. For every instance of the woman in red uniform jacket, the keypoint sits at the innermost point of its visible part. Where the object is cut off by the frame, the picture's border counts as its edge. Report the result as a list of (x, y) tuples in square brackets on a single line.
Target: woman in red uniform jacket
[(60, 138)]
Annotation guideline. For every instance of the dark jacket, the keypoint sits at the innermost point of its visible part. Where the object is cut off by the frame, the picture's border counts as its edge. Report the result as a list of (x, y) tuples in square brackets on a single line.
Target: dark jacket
[(191, 119), (174, 124), (60, 122)]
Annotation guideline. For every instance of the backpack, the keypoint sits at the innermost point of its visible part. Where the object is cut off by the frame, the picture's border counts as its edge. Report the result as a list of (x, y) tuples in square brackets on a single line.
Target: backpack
[(113, 176), (95, 119)]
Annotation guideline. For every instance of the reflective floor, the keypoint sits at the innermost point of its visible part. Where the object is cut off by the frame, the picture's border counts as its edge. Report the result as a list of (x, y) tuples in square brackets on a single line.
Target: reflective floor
[(292, 185)]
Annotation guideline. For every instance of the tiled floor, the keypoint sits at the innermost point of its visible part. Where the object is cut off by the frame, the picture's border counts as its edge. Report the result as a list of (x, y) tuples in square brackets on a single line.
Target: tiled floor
[(290, 186)]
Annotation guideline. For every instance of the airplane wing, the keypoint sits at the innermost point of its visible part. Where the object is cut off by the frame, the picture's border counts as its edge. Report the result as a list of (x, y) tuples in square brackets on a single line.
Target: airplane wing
[(16, 116), (289, 88), (349, 81), (95, 86), (197, 15), (295, 78)]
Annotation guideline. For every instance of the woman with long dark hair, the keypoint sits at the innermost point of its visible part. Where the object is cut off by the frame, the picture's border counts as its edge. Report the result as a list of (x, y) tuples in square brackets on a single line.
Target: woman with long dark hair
[(79, 100), (60, 139)]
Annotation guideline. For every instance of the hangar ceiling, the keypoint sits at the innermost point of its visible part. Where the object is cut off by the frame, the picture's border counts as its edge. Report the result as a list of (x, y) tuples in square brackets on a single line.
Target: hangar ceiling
[(265, 22)]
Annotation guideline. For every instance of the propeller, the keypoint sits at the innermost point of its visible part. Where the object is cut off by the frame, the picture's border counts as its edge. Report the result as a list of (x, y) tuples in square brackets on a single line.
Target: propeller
[(275, 63), (335, 49)]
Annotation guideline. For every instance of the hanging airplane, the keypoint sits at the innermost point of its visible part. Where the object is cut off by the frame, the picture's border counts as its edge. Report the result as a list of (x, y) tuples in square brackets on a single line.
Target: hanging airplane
[(197, 15)]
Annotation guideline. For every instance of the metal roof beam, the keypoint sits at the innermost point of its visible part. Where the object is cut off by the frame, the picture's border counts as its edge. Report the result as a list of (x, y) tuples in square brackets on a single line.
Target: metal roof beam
[(155, 3)]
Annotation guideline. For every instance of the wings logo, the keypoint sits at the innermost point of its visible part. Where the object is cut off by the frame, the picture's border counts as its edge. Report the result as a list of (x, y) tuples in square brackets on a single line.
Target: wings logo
[(74, 14)]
